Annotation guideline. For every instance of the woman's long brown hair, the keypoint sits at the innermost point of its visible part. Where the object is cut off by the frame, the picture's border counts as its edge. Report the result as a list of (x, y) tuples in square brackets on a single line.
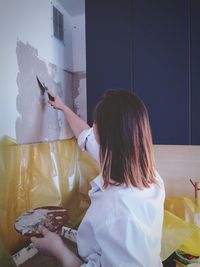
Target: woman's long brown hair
[(126, 150)]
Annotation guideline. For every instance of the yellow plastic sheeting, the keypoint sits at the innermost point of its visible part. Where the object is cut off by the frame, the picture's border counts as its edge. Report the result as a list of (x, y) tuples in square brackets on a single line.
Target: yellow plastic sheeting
[(175, 233), (184, 207), (35, 175), (192, 245), (5, 259), (58, 173), (180, 230)]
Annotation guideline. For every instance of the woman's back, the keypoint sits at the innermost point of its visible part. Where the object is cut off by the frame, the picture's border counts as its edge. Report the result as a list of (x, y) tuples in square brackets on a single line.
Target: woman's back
[(123, 226)]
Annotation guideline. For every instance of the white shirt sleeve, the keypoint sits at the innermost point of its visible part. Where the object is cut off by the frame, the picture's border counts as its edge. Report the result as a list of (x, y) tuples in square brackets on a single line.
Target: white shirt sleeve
[(92, 261), (88, 143)]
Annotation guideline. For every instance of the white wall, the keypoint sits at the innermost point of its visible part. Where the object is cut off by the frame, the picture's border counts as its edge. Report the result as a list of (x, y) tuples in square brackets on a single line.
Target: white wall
[(79, 43), (177, 165), (28, 21)]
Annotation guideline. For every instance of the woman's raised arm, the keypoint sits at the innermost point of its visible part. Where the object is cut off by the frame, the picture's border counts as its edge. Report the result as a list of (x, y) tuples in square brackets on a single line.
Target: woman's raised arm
[(76, 123)]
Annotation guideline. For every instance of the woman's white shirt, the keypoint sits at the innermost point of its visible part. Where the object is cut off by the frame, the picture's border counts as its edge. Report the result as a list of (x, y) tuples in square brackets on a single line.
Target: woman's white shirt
[(123, 225)]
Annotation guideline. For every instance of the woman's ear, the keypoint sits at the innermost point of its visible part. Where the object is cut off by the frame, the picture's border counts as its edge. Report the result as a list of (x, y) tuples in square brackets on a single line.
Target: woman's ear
[(96, 135)]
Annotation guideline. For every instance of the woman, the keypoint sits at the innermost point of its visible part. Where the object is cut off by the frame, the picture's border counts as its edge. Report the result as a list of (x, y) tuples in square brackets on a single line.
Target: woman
[(123, 225)]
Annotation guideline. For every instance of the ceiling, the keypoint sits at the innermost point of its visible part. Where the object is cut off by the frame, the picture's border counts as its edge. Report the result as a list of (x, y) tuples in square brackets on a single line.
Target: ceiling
[(73, 7)]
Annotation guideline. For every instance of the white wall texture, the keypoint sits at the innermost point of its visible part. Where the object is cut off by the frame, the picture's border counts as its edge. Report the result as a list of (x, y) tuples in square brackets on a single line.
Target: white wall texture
[(79, 44), (31, 22)]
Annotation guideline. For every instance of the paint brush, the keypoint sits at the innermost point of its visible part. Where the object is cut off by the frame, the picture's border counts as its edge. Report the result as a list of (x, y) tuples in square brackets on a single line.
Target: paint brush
[(44, 89)]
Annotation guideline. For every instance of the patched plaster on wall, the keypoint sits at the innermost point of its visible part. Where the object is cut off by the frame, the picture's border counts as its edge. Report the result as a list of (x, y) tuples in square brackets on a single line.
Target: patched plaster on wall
[(79, 94), (37, 120)]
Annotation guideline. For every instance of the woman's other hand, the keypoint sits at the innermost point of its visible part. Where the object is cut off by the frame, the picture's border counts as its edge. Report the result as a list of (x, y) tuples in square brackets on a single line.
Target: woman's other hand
[(50, 244)]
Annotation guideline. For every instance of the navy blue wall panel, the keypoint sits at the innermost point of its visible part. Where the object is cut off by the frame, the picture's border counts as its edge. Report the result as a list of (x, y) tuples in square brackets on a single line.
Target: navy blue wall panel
[(150, 47), (161, 66), (195, 70), (108, 48)]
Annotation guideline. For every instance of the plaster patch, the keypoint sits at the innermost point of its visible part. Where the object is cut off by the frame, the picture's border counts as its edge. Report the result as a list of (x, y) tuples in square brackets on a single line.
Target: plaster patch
[(79, 94), (37, 120)]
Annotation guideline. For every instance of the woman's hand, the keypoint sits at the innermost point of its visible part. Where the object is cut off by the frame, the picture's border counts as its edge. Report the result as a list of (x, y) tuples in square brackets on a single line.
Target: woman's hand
[(50, 244), (57, 103), (77, 124)]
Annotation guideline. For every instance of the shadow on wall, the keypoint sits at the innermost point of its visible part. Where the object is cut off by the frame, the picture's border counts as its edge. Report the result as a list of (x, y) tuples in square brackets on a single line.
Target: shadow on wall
[(37, 120)]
